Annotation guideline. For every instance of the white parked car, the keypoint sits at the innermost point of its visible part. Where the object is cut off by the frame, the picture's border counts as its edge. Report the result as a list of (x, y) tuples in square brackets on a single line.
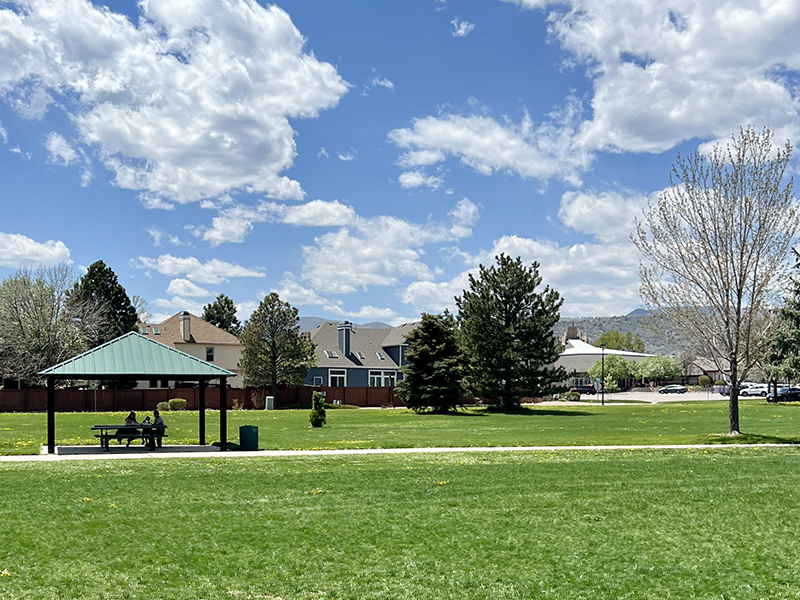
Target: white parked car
[(760, 389)]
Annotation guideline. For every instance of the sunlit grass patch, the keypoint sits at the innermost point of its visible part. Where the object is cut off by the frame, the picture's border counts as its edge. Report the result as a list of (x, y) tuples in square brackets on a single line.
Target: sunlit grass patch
[(566, 524)]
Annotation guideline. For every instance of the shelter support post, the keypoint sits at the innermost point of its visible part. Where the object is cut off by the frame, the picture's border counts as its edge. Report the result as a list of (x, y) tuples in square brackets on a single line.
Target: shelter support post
[(202, 407), (223, 413), (51, 415)]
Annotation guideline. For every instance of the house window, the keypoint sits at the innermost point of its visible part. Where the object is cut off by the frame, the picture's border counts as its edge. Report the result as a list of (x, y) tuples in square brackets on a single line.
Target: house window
[(382, 378), (318, 381), (209, 353), (143, 330), (331, 354), (156, 331), (154, 383), (381, 355), (361, 355), (338, 377)]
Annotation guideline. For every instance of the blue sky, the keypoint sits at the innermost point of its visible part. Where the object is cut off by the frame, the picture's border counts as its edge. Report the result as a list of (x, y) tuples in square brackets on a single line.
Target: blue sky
[(361, 158)]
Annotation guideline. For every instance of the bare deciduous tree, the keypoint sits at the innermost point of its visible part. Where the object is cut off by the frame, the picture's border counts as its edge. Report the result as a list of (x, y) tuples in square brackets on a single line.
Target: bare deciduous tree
[(38, 326), (716, 244)]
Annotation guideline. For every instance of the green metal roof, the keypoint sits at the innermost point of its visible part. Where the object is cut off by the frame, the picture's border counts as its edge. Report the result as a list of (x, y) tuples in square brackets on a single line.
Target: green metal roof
[(137, 357)]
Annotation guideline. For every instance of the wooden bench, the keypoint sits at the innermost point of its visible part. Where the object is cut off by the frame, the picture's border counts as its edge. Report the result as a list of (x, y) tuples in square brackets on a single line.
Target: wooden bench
[(149, 434)]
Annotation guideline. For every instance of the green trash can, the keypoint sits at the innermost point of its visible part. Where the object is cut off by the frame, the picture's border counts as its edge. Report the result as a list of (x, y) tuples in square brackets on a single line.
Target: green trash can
[(248, 437)]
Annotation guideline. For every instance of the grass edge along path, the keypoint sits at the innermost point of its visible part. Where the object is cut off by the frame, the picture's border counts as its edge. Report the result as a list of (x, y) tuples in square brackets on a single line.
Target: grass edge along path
[(645, 524)]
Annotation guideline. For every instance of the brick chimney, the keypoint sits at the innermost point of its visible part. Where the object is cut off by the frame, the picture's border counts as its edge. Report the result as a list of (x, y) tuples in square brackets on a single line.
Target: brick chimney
[(186, 328)]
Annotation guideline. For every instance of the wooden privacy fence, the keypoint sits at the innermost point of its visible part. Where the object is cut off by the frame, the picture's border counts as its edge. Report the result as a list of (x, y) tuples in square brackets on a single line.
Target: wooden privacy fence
[(75, 400)]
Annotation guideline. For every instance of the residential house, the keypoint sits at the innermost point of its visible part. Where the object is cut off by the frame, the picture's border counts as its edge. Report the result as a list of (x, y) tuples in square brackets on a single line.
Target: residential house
[(194, 336), (352, 357)]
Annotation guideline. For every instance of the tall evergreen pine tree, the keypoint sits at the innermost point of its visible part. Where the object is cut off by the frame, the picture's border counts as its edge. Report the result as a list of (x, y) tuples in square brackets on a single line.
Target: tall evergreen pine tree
[(506, 328), (432, 375)]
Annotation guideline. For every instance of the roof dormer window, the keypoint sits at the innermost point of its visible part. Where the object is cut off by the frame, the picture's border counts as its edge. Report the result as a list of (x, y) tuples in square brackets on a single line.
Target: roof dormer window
[(331, 354)]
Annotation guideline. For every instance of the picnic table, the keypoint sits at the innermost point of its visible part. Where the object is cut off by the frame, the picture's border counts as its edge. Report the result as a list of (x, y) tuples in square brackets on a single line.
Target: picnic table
[(146, 432)]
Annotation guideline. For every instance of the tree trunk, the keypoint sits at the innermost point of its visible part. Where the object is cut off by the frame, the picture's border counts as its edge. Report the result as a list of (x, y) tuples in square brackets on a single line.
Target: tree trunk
[(733, 403)]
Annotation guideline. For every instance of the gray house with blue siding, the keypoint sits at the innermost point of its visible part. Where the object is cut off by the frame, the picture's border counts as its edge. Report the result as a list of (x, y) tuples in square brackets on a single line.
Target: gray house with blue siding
[(352, 357)]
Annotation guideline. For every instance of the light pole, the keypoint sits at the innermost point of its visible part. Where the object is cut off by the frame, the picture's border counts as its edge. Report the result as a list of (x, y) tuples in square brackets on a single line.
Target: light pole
[(602, 374)]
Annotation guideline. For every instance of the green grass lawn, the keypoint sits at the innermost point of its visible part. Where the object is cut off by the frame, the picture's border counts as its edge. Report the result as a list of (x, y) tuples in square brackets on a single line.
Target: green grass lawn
[(673, 423), (619, 524)]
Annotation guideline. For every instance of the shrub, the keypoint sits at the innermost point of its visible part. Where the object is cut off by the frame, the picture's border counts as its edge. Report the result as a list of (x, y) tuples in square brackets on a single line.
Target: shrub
[(317, 416), (339, 406), (718, 382), (570, 397), (162, 406), (704, 381), (177, 404)]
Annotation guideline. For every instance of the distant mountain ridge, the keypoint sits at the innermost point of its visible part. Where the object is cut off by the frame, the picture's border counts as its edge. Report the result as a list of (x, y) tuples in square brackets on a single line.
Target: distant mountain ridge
[(591, 327), (636, 322), (309, 323)]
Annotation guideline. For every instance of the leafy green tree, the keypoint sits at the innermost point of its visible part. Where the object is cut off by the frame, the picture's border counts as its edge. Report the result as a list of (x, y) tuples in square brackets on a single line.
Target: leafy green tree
[(39, 327), (506, 329), (782, 359), (433, 373), (659, 368), (614, 368), (614, 340), (222, 314), (100, 286), (274, 351)]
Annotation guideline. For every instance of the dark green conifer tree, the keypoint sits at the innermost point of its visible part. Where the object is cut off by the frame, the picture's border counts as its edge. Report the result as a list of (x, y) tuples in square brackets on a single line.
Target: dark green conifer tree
[(101, 289), (506, 328), (782, 360), (433, 373), (222, 313)]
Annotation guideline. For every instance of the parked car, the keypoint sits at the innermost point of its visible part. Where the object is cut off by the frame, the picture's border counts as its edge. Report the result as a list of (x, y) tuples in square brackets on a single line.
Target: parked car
[(785, 394), (584, 389), (760, 389), (673, 389)]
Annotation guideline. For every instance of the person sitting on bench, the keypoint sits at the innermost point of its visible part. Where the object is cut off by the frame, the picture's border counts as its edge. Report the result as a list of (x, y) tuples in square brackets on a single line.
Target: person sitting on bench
[(131, 420), (159, 422)]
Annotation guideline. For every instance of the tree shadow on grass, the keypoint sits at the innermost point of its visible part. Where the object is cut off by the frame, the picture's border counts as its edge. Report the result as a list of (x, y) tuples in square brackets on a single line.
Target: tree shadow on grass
[(750, 438), (529, 411)]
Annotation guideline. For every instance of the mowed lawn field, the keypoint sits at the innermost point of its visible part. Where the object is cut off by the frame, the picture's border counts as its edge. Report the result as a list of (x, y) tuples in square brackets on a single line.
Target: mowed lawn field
[(568, 524), (589, 424)]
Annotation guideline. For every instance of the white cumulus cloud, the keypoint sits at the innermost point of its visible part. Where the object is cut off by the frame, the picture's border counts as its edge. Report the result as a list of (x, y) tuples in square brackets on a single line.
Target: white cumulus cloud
[(212, 272), (666, 73), (184, 287), (487, 145), (380, 251), (190, 101), (17, 250)]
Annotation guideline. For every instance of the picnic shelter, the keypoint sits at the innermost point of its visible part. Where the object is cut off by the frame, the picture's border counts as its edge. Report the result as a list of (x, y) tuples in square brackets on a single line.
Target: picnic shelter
[(135, 356)]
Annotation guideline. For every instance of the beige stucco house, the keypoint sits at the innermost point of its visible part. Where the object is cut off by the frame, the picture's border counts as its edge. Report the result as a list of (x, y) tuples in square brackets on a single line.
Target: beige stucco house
[(187, 333)]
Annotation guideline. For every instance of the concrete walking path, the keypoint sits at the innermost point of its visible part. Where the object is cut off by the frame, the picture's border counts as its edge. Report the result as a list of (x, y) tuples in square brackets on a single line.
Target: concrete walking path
[(177, 451)]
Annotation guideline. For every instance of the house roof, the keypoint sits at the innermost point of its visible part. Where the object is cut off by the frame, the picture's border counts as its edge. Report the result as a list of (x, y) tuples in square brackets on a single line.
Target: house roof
[(201, 332), (580, 356), (397, 335), (367, 346), (134, 356)]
